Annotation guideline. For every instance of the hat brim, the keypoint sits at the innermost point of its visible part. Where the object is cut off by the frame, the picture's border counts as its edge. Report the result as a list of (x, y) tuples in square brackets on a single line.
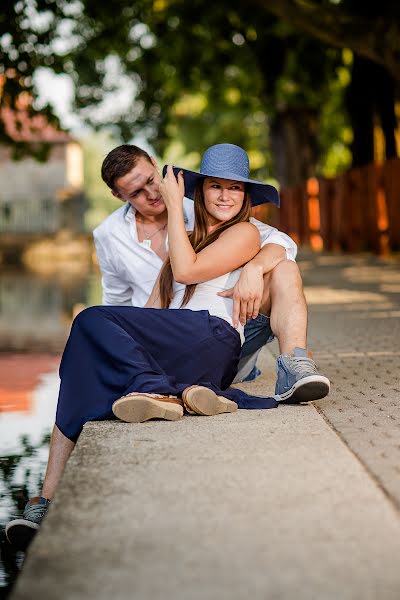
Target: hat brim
[(260, 193)]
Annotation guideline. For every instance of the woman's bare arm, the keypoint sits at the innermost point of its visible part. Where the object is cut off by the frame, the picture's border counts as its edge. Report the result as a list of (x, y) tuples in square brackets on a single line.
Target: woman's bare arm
[(234, 248)]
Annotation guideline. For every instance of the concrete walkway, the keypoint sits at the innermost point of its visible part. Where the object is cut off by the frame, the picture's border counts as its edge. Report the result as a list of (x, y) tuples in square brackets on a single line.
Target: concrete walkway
[(295, 503)]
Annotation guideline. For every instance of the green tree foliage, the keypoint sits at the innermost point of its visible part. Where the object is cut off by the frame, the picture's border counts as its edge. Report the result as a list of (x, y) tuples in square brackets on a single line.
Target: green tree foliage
[(101, 202), (370, 29), (229, 74), (264, 74), (28, 30)]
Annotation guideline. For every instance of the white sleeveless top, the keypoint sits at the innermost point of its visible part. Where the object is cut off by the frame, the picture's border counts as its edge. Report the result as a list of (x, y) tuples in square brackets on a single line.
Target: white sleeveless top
[(205, 297)]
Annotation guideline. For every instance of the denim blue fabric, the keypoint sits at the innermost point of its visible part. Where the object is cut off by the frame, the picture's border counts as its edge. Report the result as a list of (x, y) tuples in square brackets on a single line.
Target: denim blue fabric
[(254, 373), (257, 333), (114, 350)]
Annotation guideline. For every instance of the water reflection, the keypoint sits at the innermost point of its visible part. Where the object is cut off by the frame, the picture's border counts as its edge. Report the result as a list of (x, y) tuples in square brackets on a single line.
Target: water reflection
[(35, 317), (35, 311), (21, 475)]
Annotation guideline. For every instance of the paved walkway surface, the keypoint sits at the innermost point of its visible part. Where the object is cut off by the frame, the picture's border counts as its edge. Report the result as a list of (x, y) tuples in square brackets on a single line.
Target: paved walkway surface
[(357, 342), (298, 502)]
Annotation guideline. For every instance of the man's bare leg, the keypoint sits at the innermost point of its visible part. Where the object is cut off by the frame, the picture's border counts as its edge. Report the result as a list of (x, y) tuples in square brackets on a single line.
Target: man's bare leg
[(20, 532), (285, 302), (60, 451), (298, 377)]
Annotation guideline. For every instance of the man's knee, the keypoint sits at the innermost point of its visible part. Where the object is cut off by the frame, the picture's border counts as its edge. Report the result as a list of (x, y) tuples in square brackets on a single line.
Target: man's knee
[(286, 273), (285, 276)]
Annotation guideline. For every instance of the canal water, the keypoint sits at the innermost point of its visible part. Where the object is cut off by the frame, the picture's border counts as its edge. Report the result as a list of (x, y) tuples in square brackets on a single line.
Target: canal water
[(35, 317)]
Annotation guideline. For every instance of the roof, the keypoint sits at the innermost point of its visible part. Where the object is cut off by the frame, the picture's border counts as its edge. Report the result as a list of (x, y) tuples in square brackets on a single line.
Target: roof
[(21, 127)]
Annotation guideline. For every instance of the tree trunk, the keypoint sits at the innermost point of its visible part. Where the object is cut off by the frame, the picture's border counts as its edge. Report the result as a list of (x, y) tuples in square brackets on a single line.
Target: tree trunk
[(370, 95), (294, 146)]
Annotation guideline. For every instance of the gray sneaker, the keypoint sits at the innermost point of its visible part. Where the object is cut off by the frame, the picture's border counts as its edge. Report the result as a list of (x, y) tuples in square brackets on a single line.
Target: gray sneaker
[(21, 531), (298, 378)]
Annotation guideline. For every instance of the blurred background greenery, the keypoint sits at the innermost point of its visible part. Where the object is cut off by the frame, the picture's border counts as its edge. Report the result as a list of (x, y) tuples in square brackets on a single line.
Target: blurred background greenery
[(308, 87)]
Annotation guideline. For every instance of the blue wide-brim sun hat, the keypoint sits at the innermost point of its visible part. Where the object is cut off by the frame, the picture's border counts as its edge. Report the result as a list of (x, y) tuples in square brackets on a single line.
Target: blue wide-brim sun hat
[(227, 161)]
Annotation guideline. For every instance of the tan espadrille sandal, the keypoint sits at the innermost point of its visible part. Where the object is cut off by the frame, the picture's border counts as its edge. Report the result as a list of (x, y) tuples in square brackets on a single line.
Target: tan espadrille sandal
[(200, 400), (139, 406)]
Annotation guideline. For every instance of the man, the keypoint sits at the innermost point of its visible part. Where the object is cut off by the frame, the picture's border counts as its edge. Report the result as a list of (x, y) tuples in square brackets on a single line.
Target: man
[(132, 245)]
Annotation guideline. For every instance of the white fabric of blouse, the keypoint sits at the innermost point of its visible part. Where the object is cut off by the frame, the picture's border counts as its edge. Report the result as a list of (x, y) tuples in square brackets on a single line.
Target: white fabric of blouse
[(205, 298), (130, 268)]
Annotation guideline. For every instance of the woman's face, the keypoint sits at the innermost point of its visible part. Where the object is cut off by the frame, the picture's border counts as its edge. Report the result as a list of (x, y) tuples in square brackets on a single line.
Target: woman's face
[(223, 199)]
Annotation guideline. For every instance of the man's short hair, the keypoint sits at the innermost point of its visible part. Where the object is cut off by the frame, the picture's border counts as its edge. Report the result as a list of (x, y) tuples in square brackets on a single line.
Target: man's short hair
[(120, 161)]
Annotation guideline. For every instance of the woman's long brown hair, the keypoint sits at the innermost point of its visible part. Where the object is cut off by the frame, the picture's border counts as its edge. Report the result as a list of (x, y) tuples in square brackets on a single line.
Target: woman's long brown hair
[(199, 239)]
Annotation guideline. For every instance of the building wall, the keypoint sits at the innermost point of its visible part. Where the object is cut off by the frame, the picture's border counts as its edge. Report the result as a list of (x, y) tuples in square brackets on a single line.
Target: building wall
[(74, 165), (29, 177), (34, 196)]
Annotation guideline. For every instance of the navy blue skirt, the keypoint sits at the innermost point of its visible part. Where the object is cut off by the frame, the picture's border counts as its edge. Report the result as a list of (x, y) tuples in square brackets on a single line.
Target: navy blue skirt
[(114, 350)]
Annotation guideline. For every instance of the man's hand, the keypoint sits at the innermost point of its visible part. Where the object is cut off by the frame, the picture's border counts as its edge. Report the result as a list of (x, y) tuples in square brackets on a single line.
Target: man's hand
[(247, 294)]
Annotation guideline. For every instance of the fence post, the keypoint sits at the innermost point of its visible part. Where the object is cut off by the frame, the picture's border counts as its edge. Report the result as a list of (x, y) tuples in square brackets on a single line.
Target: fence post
[(339, 225), (326, 200), (391, 186), (356, 210), (371, 189), (301, 200)]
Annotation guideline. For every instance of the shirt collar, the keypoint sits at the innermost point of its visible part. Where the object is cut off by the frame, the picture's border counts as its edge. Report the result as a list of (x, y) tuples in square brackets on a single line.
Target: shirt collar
[(130, 212)]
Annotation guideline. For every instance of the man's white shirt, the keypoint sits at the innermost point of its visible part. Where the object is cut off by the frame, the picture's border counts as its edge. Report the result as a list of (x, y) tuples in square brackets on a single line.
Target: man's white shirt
[(129, 268)]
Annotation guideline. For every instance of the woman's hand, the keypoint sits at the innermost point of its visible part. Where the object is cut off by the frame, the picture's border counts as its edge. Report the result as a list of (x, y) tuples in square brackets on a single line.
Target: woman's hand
[(172, 190)]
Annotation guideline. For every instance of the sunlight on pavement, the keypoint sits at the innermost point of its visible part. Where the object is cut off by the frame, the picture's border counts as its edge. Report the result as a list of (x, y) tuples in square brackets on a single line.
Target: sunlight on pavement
[(371, 274), (326, 295)]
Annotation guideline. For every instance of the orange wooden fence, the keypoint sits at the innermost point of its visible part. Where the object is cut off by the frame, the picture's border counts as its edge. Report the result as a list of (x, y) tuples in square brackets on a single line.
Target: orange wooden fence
[(358, 210)]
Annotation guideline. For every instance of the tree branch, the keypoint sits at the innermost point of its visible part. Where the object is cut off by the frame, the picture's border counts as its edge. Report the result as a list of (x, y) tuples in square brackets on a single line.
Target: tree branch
[(375, 38)]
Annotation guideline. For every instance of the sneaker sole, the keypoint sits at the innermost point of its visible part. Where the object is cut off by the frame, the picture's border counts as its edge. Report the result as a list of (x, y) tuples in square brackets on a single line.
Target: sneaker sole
[(142, 408), (313, 387), (205, 402), (20, 533)]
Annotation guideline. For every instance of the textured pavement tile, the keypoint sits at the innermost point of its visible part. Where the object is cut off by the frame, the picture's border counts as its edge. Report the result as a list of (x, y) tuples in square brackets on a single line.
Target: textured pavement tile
[(277, 504), (358, 347)]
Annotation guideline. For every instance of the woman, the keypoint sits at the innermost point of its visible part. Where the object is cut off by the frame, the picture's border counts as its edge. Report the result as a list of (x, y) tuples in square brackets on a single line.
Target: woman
[(143, 363), (204, 264), (140, 363)]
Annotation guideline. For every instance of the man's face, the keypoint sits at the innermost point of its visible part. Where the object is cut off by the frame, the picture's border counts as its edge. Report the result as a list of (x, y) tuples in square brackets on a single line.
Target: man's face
[(140, 187)]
